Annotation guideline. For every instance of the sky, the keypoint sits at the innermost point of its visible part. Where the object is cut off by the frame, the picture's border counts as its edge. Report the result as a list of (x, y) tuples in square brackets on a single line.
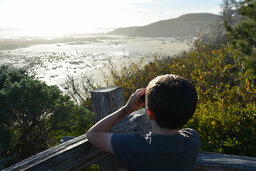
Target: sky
[(56, 17)]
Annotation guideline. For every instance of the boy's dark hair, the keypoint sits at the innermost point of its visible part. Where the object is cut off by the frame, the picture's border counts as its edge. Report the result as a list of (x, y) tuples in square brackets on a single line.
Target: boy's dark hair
[(172, 99)]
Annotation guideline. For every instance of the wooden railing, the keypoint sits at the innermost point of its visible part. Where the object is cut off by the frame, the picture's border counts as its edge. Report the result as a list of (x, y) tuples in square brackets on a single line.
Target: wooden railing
[(78, 153)]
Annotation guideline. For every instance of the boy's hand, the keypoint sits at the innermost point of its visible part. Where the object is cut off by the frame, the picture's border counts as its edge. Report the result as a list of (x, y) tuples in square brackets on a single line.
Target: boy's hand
[(134, 102)]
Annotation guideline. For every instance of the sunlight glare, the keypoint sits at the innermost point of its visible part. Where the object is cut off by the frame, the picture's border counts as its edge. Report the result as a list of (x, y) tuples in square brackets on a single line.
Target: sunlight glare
[(49, 18)]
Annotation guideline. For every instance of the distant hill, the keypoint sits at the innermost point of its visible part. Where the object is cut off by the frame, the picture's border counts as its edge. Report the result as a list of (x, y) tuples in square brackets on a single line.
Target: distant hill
[(124, 31), (185, 25)]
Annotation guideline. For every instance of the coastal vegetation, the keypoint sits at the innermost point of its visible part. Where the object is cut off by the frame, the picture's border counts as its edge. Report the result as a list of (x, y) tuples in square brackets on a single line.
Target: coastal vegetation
[(243, 36), (35, 116)]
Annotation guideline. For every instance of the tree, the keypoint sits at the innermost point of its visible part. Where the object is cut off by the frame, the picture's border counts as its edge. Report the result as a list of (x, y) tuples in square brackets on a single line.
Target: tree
[(79, 89), (31, 112), (230, 11), (243, 35), (214, 35)]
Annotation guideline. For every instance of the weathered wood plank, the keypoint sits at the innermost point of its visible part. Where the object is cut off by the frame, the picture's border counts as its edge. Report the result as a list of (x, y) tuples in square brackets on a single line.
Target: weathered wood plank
[(72, 155), (224, 161)]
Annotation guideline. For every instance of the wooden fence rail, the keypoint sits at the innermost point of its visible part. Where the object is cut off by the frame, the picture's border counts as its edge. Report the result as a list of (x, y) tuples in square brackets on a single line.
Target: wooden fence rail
[(78, 153)]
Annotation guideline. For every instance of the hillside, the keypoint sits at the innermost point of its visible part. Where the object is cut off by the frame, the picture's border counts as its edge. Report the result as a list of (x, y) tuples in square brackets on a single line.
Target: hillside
[(185, 25)]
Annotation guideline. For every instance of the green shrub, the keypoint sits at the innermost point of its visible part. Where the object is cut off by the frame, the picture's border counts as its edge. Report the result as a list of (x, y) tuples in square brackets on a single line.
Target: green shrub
[(34, 116)]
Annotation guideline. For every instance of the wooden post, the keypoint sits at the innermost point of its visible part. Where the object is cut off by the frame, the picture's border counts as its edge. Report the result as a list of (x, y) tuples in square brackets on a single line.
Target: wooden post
[(106, 101)]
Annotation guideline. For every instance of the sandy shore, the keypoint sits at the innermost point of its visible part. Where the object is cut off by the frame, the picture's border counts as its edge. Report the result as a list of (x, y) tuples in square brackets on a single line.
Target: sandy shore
[(52, 62)]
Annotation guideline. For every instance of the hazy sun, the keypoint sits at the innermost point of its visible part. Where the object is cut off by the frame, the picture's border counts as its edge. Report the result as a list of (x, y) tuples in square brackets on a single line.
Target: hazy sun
[(57, 17)]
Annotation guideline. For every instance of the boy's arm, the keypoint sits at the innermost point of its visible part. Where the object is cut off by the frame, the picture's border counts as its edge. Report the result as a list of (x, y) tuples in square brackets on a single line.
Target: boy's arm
[(100, 134)]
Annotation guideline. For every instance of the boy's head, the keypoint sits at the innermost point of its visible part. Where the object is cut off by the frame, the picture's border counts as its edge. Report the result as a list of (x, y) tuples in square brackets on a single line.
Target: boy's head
[(172, 99)]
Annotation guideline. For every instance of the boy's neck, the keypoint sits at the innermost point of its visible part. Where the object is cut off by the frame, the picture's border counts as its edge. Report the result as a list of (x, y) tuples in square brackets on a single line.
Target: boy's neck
[(156, 129)]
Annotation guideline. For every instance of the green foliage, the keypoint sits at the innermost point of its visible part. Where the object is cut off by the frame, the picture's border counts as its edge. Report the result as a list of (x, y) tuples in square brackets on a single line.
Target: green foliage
[(33, 115), (243, 35), (93, 167), (77, 123), (225, 115)]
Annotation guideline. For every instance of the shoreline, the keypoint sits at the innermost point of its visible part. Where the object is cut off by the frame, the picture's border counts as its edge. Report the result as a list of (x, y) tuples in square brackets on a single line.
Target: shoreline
[(52, 62)]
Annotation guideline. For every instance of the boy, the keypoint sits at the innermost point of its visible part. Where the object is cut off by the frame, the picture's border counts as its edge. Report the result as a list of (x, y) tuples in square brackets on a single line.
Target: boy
[(170, 102)]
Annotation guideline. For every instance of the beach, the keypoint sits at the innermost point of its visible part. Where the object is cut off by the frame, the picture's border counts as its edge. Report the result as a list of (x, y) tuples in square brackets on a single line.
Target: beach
[(51, 61)]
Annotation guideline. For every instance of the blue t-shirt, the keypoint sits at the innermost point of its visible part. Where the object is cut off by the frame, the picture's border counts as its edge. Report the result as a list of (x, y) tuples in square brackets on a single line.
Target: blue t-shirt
[(158, 152)]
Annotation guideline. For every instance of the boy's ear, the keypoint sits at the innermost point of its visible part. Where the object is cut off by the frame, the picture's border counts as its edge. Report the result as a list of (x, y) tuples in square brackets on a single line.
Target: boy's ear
[(150, 114)]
